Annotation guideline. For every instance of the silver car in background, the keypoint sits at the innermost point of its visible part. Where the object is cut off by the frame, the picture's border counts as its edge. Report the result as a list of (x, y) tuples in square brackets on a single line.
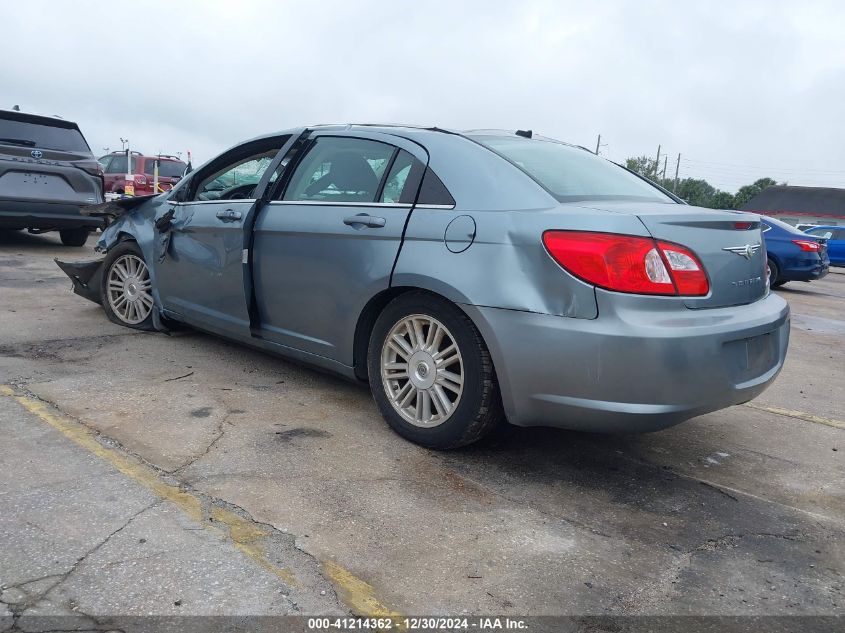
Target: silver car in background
[(468, 277)]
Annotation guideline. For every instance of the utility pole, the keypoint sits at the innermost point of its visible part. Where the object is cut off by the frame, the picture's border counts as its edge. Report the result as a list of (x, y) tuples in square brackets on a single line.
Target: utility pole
[(665, 160), (598, 144), (677, 168), (657, 162)]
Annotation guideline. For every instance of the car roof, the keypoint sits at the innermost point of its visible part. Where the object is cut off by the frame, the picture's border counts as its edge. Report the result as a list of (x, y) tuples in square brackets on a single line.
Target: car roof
[(26, 117), (411, 131)]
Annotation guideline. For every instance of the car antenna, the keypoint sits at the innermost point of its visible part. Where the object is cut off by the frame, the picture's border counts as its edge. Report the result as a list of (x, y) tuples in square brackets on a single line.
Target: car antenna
[(524, 133)]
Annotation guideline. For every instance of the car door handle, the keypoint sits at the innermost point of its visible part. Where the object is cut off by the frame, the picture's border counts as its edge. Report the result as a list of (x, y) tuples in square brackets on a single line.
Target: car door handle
[(362, 219), (229, 215)]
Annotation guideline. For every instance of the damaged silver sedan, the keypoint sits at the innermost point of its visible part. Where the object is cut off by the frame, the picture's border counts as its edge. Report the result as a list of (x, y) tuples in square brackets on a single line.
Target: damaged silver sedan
[(470, 278)]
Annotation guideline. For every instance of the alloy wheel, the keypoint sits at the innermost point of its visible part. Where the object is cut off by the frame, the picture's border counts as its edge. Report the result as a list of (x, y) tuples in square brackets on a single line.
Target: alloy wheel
[(129, 289), (422, 370)]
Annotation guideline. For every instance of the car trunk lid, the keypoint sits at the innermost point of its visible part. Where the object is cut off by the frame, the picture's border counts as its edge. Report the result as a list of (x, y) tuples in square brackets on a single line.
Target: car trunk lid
[(728, 243)]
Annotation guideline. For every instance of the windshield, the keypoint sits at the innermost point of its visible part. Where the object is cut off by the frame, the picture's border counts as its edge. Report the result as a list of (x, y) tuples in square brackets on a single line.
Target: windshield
[(571, 173), (44, 136)]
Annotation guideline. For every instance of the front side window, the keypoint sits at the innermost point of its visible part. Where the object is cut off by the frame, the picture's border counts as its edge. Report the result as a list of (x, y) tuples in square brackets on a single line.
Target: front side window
[(571, 173), (235, 181), (340, 169)]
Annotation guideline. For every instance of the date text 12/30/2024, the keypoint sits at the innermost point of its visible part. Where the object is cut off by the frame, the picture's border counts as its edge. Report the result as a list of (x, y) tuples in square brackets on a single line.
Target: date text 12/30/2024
[(417, 624)]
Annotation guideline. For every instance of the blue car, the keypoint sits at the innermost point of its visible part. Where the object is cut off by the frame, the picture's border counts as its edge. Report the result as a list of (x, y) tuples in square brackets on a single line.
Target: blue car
[(835, 236), (792, 254)]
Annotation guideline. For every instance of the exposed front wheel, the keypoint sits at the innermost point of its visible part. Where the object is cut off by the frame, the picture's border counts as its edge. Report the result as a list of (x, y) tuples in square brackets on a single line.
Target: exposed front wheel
[(127, 287), (74, 237), (431, 374)]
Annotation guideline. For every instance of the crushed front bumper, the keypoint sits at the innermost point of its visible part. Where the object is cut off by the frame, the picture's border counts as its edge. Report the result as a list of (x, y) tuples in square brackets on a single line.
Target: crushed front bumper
[(87, 278)]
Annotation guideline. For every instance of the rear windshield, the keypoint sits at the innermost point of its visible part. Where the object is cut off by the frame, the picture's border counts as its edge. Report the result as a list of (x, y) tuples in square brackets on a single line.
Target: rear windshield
[(570, 173), (42, 136), (166, 168), (783, 225)]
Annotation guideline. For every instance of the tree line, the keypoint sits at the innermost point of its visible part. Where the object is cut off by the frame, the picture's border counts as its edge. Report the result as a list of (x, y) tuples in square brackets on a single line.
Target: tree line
[(697, 191)]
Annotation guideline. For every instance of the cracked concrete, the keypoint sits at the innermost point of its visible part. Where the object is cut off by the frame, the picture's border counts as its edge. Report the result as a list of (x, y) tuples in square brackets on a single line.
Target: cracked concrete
[(88, 541), (533, 521), (218, 434)]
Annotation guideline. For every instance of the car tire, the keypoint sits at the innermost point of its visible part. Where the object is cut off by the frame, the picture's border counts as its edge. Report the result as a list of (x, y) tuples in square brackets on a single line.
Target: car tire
[(449, 395), (773, 273), (74, 237), (127, 288)]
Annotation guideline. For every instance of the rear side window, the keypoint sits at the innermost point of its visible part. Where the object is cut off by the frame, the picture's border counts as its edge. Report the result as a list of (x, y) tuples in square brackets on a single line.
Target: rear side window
[(433, 191), (166, 168), (38, 135), (340, 169), (825, 233), (403, 181), (571, 173), (774, 222)]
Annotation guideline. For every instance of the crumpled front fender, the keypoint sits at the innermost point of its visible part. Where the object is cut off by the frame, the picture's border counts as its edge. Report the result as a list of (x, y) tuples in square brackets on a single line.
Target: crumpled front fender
[(136, 222)]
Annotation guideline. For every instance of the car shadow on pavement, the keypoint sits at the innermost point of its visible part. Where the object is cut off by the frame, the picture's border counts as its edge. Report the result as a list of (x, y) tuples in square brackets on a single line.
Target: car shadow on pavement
[(23, 239)]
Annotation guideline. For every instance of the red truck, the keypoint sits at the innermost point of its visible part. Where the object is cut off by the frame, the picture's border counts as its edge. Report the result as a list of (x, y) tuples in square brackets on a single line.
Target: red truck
[(115, 169)]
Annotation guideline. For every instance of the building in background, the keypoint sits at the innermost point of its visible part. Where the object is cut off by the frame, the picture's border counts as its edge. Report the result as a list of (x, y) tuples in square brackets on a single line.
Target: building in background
[(800, 205)]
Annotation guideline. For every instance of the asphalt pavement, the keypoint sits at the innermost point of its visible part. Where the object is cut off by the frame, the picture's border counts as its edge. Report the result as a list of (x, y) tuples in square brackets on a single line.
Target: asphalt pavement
[(153, 474)]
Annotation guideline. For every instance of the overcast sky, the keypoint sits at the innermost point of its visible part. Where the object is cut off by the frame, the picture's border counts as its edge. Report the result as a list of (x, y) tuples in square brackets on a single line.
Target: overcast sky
[(741, 89)]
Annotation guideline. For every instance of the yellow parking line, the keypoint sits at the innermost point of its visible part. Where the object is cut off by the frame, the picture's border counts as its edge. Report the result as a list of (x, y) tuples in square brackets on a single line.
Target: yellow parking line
[(798, 415), (245, 535), (357, 593)]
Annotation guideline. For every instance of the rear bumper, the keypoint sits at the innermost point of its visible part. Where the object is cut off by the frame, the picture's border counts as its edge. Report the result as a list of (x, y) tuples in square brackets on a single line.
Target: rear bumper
[(632, 370), (810, 272), (15, 214)]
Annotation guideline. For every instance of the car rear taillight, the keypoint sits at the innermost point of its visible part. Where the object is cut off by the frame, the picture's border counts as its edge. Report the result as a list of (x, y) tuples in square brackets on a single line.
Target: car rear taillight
[(743, 226), (627, 263), (808, 245), (94, 171), (97, 172)]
